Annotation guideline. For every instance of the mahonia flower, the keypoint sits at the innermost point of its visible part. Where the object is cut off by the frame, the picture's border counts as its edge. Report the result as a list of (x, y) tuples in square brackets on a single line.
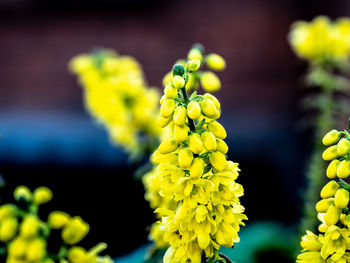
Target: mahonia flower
[(117, 96), (192, 171), (321, 40), (333, 242), (24, 236)]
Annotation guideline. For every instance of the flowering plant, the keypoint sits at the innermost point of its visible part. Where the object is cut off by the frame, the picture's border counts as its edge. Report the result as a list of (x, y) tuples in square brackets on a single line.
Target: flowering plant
[(193, 186), (26, 238)]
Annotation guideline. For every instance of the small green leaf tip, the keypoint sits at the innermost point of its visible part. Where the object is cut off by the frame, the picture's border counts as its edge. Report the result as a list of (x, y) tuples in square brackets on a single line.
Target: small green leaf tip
[(198, 46), (178, 70)]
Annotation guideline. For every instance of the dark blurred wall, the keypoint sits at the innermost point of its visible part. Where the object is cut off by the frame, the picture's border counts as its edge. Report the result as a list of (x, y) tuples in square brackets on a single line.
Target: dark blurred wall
[(49, 139)]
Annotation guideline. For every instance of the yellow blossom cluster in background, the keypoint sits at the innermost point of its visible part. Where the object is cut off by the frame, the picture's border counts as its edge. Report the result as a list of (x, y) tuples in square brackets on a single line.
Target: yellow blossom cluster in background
[(193, 186), (321, 40), (26, 238), (117, 96), (332, 244)]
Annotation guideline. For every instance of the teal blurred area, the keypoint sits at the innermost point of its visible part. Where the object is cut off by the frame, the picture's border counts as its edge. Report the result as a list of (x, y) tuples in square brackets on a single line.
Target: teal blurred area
[(260, 242)]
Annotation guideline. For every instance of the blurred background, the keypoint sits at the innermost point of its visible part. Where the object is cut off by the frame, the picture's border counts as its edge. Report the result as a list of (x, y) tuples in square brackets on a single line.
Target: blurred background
[(48, 138)]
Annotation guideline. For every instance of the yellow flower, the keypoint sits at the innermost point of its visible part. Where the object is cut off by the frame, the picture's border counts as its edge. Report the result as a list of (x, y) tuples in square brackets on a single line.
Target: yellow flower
[(310, 242), (36, 250), (42, 195), (192, 172), (311, 256), (210, 81), (8, 229), (321, 40), (216, 62), (329, 189), (30, 226), (22, 193), (75, 230), (118, 97), (335, 240), (58, 219)]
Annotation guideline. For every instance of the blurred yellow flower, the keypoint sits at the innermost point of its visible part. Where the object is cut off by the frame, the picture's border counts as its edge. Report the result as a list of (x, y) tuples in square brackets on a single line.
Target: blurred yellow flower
[(321, 40), (118, 97)]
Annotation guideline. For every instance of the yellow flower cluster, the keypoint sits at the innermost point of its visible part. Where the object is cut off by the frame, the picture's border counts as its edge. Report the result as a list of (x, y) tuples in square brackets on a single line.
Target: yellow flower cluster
[(196, 188), (25, 237), (208, 80), (321, 40), (332, 245), (117, 96)]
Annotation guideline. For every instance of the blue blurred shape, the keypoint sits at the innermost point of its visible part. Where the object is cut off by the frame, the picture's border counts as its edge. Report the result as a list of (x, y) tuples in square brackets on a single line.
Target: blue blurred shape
[(55, 137)]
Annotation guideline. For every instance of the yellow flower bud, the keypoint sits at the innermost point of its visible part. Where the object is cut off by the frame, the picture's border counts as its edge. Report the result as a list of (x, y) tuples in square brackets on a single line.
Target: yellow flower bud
[(331, 137), (209, 141), (42, 195), (216, 62), (332, 216), (75, 230), (193, 65), (22, 193), (197, 168), (167, 108), (36, 250), (330, 153), (213, 99), (6, 211), (343, 170), (343, 147), (341, 199), (210, 82), (208, 109), (170, 91), (332, 169), (18, 247), (323, 205), (218, 161), (310, 241), (323, 228), (185, 158), (181, 133), (79, 254), (195, 143), (168, 145), (180, 115), (217, 129), (193, 110), (167, 78), (194, 54), (30, 226), (221, 146), (192, 83), (347, 221), (58, 219), (203, 240), (329, 189), (178, 82), (8, 229), (162, 99), (163, 122), (342, 219)]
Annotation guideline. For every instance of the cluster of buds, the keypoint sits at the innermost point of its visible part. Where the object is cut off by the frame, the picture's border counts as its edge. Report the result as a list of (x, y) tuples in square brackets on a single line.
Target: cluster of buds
[(338, 154), (192, 171), (118, 97), (26, 238), (207, 79), (333, 242), (321, 40)]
